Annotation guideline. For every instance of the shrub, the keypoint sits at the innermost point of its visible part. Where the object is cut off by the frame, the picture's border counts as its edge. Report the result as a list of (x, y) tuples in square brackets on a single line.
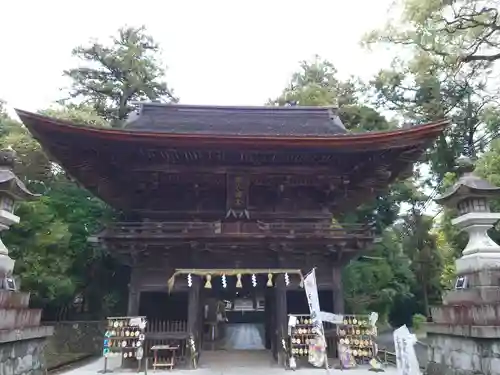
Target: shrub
[(418, 321)]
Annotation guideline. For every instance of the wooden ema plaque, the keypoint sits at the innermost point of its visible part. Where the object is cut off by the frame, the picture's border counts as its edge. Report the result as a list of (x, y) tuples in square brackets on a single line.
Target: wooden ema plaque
[(301, 336), (356, 341)]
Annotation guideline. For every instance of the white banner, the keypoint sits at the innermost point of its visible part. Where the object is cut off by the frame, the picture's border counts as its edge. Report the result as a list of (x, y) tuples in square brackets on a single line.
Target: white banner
[(311, 289), (331, 318), (406, 358), (317, 352)]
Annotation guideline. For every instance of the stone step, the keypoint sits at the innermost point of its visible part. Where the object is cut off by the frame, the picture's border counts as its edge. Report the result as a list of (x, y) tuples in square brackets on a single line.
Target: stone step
[(476, 296), (476, 315), (19, 318), (14, 300)]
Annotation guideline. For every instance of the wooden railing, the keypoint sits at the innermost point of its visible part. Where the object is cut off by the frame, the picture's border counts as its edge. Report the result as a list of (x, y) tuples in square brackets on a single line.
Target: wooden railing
[(243, 228)]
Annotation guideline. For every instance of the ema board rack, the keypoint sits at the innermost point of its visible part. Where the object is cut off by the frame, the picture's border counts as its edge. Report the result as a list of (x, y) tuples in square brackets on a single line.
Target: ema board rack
[(356, 338), (301, 336), (305, 343), (124, 337)]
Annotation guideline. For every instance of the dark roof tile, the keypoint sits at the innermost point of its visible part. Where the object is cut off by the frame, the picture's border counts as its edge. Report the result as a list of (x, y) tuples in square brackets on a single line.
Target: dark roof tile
[(224, 120)]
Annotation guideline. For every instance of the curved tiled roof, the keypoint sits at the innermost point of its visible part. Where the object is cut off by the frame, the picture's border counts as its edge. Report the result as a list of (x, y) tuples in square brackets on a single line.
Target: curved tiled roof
[(220, 120), (112, 163), (166, 135)]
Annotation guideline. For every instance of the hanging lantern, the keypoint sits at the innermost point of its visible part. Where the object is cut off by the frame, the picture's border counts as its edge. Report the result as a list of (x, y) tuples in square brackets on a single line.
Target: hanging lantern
[(224, 281), (254, 280), (287, 279), (238, 281), (208, 284), (269, 280), (190, 280)]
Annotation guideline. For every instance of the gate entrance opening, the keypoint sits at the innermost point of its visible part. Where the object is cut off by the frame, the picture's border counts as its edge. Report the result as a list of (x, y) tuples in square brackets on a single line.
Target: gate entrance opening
[(237, 318)]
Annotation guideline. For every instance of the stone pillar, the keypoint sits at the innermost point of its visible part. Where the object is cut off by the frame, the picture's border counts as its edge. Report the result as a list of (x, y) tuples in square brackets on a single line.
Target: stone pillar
[(463, 335)]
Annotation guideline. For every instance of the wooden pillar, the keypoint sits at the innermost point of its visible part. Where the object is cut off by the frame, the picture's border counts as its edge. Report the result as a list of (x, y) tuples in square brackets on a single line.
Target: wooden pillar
[(338, 289), (134, 294), (193, 312), (133, 302), (281, 317), (269, 297)]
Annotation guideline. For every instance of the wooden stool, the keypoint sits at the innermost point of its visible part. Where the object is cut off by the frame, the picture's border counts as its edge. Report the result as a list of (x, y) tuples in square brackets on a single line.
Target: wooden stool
[(170, 364)]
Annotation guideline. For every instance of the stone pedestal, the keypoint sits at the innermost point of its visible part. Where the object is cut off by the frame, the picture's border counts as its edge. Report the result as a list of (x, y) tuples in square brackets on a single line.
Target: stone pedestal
[(22, 339), (464, 337)]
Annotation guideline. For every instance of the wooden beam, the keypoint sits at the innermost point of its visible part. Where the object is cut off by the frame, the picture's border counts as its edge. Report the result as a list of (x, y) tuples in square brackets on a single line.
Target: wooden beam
[(284, 170)]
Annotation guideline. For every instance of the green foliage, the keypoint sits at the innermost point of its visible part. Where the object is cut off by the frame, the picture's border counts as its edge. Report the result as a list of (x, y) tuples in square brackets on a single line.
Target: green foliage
[(419, 243), (447, 72), (417, 322), (39, 245), (361, 118), (53, 257), (31, 165), (316, 84), (78, 115), (369, 285), (115, 75), (423, 89), (458, 32), (373, 285)]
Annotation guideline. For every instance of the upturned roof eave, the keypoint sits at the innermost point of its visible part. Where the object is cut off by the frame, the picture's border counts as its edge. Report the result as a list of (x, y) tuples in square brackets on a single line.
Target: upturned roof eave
[(461, 191), (38, 124), (15, 186)]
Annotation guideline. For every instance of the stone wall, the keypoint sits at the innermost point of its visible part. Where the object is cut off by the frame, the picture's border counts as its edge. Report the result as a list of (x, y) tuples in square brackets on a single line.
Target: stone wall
[(24, 357), (74, 340), (455, 355)]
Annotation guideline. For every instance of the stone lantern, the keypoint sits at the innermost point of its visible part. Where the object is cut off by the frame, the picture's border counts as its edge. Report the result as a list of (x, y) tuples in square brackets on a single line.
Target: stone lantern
[(22, 338), (12, 189), (463, 335), (471, 195)]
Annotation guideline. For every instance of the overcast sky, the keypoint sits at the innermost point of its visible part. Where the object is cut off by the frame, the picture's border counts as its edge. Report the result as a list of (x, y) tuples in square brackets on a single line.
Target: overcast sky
[(218, 52)]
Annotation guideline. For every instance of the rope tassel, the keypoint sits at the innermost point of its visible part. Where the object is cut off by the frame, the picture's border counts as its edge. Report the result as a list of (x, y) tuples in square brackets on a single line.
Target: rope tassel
[(238, 281), (269, 280), (208, 284)]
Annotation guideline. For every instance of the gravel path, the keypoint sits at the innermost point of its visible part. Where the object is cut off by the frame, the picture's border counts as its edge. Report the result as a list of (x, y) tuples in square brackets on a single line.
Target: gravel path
[(224, 363)]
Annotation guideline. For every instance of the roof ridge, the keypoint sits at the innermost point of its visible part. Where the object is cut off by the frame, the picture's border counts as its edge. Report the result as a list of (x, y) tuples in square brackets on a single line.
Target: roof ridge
[(237, 107)]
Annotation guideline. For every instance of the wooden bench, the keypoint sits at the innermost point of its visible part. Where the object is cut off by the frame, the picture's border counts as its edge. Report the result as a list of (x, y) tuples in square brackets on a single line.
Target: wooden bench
[(171, 362)]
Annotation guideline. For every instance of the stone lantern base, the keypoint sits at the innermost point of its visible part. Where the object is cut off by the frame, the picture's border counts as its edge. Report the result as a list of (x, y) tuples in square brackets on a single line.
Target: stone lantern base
[(22, 339), (6, 265), (464, 337)]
